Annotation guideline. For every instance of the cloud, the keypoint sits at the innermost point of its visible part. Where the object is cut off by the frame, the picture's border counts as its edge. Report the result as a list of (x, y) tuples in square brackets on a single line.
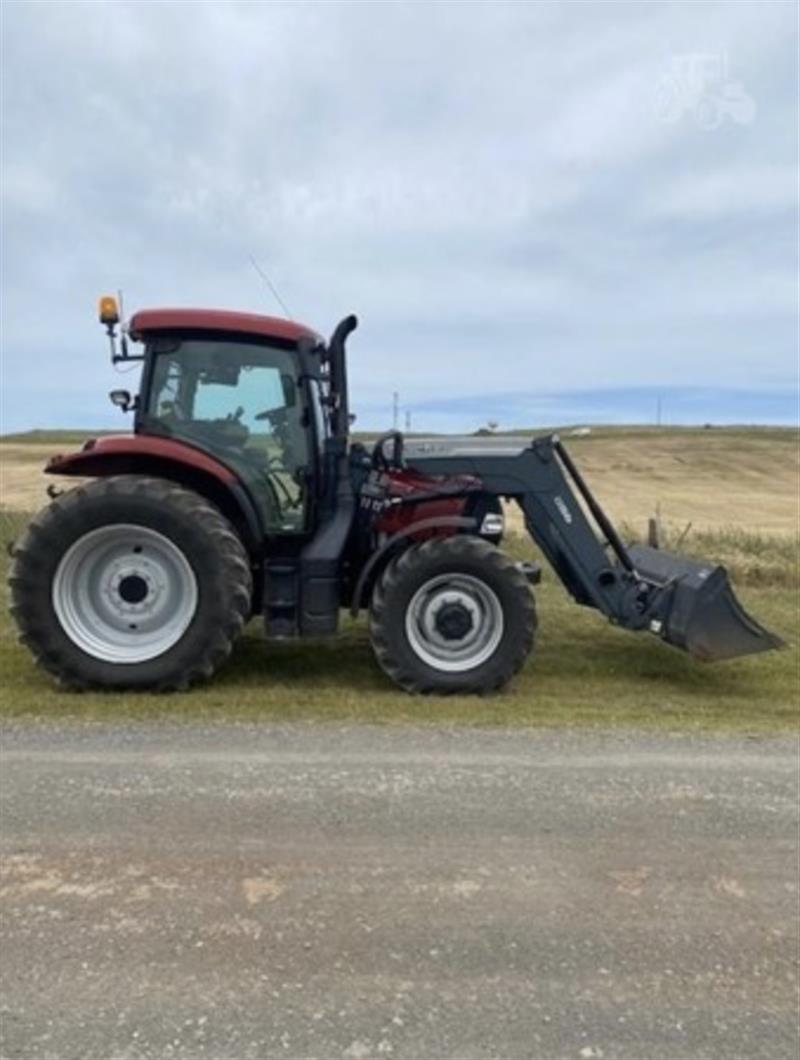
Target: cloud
[(492, 188), (726, 193)]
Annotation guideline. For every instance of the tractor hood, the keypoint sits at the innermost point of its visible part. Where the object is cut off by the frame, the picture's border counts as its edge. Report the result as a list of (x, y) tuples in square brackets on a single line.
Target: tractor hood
[(467, 445)]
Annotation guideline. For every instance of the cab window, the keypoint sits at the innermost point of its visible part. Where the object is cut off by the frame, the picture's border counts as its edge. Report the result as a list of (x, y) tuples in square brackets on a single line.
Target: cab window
[(241, 402)]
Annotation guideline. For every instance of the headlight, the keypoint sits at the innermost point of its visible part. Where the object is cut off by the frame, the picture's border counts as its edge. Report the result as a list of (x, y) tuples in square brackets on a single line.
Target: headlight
[(493, 525)]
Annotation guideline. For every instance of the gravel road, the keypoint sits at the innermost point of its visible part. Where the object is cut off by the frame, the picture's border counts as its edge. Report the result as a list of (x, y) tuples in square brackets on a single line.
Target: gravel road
[(236, 891)]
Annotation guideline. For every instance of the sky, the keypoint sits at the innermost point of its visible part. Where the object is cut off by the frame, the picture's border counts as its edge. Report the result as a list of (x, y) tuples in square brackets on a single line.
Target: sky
[(542, 213)]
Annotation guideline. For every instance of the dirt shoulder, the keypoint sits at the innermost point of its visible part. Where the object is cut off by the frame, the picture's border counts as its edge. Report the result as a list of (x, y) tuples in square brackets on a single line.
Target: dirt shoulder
[(350, 891)]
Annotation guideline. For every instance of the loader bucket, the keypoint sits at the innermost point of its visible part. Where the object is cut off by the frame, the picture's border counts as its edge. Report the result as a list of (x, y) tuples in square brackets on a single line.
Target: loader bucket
[(703, 615)]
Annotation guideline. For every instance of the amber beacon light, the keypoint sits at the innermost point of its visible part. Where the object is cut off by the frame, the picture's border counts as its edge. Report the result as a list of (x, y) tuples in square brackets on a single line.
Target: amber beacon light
[(108, 311)]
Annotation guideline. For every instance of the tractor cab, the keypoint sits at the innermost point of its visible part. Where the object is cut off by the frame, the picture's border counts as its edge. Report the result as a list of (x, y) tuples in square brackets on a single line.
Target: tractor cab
[(242, 402), (246, 390)]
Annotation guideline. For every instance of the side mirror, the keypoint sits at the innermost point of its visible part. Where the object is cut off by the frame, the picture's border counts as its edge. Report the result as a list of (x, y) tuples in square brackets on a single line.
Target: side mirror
[(122, 399)]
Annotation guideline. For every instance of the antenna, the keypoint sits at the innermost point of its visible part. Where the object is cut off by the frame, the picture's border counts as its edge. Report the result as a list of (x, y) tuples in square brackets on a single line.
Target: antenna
[(270, 285)]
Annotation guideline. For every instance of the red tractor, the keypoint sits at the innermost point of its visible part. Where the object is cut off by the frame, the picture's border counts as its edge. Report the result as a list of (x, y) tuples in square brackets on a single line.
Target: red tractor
[(239, 493)]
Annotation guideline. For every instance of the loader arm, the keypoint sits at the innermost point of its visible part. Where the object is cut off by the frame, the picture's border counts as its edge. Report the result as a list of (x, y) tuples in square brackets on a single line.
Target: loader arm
[(688, 603)]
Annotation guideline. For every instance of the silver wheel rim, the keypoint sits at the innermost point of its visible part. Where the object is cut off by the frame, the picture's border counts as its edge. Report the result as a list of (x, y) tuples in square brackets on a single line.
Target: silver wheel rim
[(124, 593), (469, 596)]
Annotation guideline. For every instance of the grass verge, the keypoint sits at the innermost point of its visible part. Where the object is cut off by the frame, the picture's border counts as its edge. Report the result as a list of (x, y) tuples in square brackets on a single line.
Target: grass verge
[(583, 672)]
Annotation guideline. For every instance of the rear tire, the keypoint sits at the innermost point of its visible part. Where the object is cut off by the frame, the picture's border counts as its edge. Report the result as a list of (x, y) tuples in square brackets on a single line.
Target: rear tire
[(452, 615), (130, 582)]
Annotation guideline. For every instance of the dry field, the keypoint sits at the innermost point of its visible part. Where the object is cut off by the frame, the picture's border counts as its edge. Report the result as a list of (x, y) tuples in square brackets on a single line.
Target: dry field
[(715, 479), (22, 484)]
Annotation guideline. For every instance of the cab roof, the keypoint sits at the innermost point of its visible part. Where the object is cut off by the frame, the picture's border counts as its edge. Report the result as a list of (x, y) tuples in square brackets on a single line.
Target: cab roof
[(147, 320)]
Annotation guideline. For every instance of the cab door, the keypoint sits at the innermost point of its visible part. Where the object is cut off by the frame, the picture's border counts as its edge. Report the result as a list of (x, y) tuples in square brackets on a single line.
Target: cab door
[(239, 401)]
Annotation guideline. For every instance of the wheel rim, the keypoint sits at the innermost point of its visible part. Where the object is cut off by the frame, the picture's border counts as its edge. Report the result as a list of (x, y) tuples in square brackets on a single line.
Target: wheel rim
[(454, 622), (124, 593)]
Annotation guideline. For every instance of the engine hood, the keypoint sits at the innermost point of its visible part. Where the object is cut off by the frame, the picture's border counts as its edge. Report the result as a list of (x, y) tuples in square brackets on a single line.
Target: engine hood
[(418, 449)]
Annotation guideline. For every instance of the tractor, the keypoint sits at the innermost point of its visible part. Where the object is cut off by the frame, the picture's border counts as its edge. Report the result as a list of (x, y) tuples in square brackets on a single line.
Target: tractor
[(240, 493)]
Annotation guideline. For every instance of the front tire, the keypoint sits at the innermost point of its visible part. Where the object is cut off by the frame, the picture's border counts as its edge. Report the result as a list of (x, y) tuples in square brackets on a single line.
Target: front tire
[(130, 582), (452, 615)]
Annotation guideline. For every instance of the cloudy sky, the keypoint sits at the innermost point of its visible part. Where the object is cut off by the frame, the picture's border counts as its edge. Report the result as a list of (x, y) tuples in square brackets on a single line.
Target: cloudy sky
[(541, 212)]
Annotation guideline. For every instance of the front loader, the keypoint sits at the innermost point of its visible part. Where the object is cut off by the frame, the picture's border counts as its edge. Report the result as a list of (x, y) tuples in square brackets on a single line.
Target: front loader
[(240, 494)]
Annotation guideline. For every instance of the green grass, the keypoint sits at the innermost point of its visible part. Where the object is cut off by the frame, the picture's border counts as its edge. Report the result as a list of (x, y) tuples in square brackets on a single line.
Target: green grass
[(584, 672)]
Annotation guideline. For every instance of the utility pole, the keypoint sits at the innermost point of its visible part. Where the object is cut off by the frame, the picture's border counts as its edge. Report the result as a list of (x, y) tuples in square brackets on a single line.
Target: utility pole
[(395, 410)]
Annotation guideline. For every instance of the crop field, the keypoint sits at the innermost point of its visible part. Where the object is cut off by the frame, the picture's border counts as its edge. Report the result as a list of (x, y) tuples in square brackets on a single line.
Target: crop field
[(738, 488)]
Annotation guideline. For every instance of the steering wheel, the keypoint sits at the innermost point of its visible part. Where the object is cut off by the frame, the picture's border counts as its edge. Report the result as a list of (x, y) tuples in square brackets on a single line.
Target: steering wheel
[(380, 461)]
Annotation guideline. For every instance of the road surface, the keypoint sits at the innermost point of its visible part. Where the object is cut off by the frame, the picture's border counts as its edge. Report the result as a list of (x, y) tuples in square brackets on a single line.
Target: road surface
[(216, 891)]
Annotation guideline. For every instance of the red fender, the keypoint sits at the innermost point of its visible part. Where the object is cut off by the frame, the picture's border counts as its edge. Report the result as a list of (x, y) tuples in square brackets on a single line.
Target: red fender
[(144, 454), (119, 454)]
